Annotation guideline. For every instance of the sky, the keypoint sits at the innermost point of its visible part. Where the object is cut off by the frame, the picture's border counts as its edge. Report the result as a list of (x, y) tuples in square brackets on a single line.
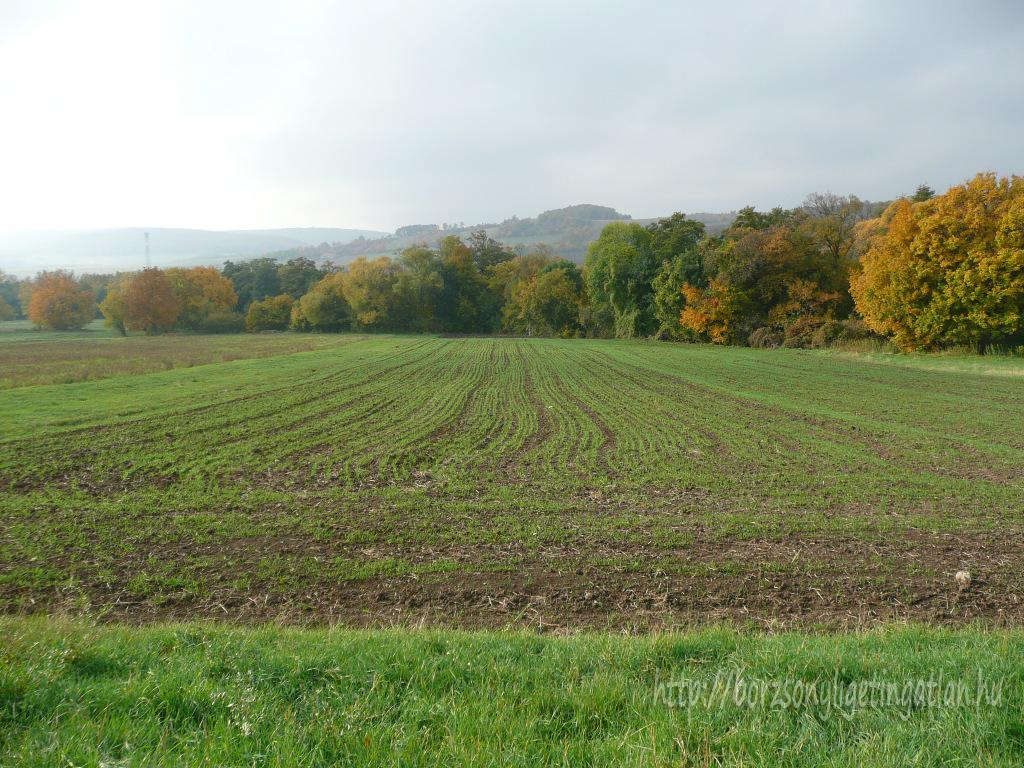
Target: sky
[(224, 115)]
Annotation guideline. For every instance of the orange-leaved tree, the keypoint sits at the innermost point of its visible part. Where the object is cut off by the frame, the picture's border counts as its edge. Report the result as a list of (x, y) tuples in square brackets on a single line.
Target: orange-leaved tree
[(59, 302), (149, 302), (948, 270), (712, 312)]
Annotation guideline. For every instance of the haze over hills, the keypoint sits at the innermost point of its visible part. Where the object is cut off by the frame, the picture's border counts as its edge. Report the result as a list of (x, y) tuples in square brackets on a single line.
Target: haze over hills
[(566, 231), (111, 250)]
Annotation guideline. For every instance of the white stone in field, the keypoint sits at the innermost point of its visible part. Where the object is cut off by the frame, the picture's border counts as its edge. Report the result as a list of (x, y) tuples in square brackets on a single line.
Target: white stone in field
[(963, 579)]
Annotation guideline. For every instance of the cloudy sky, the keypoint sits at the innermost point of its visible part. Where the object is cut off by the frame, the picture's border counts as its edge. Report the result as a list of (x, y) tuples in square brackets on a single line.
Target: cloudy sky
[(377, 114)]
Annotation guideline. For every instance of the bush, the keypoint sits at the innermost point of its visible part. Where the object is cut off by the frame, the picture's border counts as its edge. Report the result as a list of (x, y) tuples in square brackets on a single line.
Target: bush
[(801, 332), (271, 314), (837, 332), (222, 321), (765, 338)]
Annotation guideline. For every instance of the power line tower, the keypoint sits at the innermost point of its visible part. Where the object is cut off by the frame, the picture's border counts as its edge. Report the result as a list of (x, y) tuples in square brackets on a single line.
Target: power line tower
[(147, 250)]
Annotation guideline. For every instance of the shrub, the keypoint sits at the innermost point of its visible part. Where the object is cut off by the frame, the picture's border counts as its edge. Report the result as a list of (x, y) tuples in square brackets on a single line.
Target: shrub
[(837, 332), (800, 333), (765, 338)]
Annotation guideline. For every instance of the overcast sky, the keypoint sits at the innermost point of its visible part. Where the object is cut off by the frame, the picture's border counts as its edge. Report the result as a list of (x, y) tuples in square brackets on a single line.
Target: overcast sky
[(376, 114)]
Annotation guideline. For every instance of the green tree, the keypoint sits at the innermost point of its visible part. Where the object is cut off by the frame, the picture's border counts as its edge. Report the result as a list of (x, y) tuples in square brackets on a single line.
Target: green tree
[(419, 288), (466, 304), (619, 271), (552, 303), (749, 218), (487, 252), (253, 280), (923, 193), (271, 314), (324, 307), (832, 222), (298, 275), (675, 241), (675, 235), (9, 288)]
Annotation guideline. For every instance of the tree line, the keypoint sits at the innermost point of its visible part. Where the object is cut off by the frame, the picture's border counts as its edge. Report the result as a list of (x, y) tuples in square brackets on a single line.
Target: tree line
[(926, 271)]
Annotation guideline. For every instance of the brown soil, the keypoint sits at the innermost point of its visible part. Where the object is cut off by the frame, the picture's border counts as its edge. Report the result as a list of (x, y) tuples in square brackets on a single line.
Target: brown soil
[(807, 582)]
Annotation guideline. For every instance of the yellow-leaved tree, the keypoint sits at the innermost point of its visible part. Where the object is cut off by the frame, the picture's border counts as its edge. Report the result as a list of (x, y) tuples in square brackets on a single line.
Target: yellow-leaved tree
[(949, 270), (202, 291)]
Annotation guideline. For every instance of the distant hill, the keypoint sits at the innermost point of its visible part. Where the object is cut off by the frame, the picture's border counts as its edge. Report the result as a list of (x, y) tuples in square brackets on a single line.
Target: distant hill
[(108, 250), (566, 231)]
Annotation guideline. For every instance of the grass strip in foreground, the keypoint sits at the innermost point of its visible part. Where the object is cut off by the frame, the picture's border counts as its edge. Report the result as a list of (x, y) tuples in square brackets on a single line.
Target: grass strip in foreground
[(199, 694)]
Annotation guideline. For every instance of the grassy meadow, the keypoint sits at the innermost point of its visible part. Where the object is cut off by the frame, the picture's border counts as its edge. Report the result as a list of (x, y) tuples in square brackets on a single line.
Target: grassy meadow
[(451, 505), (191, 695)]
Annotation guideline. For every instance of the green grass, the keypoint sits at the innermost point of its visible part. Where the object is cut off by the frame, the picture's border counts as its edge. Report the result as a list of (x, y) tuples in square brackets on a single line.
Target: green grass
[(191, 695), (423, 486)]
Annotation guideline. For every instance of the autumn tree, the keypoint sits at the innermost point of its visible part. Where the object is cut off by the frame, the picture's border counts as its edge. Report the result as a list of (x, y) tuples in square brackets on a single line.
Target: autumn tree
[(59, 302), (948, 270), (201, 291), (713, 312), (369, 288), (542, 296), (324, 307), (510, 281), (150, 304), (781, 282), (112, 305), (271, 314), (6, 310)]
